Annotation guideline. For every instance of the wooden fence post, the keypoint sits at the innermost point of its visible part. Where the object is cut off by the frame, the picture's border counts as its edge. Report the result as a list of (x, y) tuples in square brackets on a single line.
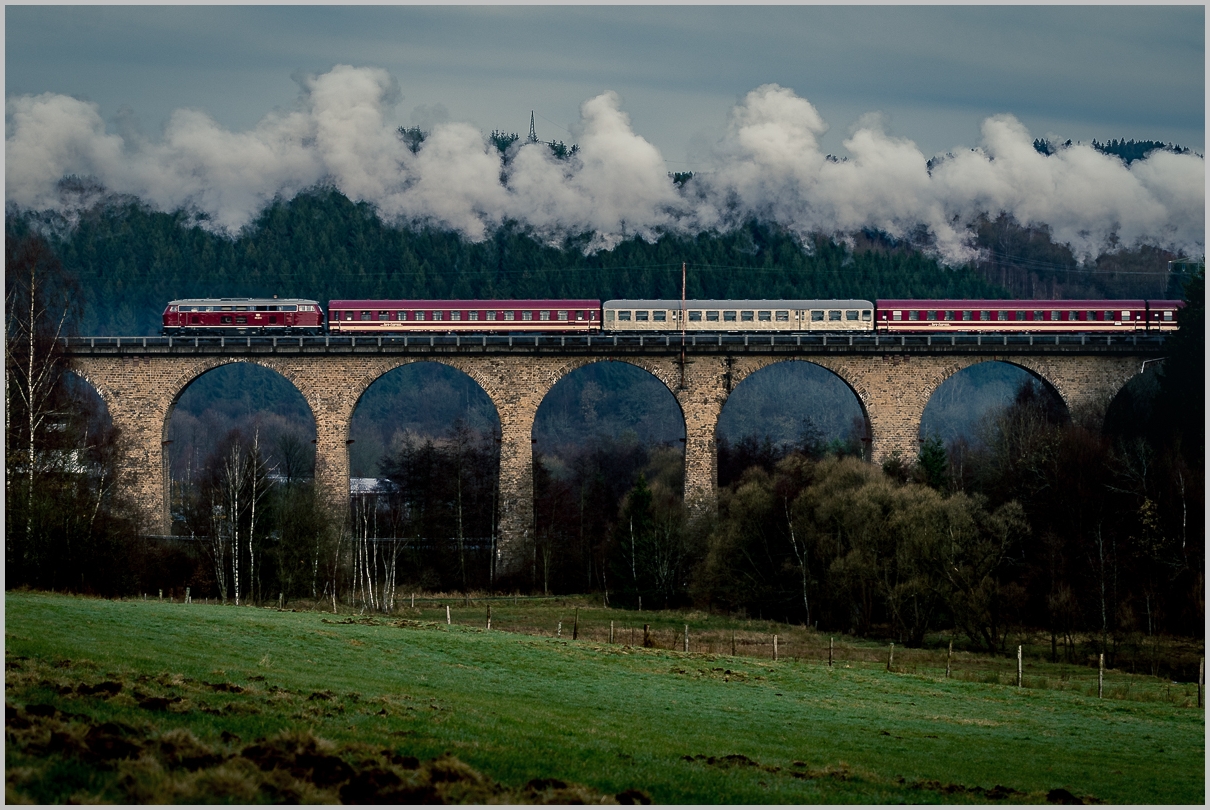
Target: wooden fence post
[(831, 642), (489, 617), (686, 638), (559, 630), (413, 600), (1101, 676), (188, 596), (161, 594), (575, 627), (890, 661), (948, 657), (611, 631), (1018, 666), (646, 635), (447, 614), (775, 646)]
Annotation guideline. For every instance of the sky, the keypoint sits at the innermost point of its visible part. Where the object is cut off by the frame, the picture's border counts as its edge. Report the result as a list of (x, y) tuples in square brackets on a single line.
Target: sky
[(679, 81)]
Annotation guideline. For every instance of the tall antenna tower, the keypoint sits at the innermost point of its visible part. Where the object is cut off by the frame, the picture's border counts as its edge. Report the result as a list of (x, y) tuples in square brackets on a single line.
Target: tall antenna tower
[(533, 136)]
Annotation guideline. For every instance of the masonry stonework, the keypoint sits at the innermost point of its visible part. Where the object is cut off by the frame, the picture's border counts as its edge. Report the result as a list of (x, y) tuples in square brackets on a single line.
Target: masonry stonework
[(140, 393)]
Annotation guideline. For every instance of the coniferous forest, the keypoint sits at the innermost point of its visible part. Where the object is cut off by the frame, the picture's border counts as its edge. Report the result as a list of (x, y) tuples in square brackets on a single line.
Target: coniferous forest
[(1087, 527)]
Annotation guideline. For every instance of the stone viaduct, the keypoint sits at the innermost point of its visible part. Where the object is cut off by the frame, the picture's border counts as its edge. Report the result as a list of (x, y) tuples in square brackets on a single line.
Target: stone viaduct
[(893, 377)]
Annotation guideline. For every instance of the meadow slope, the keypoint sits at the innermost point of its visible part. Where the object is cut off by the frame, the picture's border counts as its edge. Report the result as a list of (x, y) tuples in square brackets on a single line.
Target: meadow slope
[(679, 728)]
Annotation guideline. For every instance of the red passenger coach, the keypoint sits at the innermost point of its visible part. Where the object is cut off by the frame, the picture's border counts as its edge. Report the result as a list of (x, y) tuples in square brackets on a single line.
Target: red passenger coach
[(367, 317), (943, 315), (243, 316)]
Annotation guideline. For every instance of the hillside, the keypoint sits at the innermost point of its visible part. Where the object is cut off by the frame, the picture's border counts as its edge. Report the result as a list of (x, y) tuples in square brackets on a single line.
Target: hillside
[(158, 702)]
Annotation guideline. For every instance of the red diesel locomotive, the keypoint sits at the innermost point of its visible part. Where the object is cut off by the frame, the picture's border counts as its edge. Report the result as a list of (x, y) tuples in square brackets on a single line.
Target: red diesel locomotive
[(243, 316)]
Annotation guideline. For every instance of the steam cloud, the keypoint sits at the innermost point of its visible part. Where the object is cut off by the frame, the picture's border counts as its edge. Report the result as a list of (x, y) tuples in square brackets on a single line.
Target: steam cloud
[(768, 164)]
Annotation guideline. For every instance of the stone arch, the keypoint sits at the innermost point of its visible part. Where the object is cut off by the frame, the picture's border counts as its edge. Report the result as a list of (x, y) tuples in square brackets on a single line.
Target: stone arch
[(754, 366), (948, 428), (187, 376), (656, 367), (472, 373)]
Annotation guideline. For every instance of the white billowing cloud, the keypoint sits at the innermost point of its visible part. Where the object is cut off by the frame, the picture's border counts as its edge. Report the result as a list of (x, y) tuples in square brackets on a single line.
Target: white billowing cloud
[(767, 165)]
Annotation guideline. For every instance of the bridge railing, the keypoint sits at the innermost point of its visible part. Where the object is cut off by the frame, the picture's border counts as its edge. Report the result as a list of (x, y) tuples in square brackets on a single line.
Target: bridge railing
[(866, 340)]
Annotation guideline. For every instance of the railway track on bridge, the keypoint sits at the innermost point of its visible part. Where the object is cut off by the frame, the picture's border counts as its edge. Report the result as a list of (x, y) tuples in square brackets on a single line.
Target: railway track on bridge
[(628, 344)]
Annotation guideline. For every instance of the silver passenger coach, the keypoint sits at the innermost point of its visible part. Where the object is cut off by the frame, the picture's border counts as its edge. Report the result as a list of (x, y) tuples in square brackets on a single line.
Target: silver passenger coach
[(832, 315)]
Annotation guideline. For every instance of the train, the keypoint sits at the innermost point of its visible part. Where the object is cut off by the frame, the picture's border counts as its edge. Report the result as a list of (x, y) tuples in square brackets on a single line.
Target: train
[(299, 316)]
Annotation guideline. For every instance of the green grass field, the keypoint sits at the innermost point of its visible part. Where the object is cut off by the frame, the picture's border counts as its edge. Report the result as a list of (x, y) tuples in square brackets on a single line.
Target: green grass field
[(702, 727)]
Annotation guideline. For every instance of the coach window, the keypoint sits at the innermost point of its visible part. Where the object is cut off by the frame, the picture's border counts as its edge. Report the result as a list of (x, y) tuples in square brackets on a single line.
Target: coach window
[(817, 315), (695, 315), (491, 314), (659, 315), (745, 315), (527, 315), (1167, 316), (640, 314), (783, 315), (561, 315), (544, 314), (609, 314), (834, 315), (382, 315), (764, 315), (931, 315), (435, 315), (712, 314), (473, 315), (984, 315), (510, 315), (911, 314), (867, 315), (850, 315), (456, 315), (1037, 315), (623, 314), (241, 309), (728, 315), (1001, 315), (401, 315), (1108, 315), (365, 315)]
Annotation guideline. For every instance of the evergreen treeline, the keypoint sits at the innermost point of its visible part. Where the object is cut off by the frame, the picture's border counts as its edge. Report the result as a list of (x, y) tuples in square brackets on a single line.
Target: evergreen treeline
[(130, 261)]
